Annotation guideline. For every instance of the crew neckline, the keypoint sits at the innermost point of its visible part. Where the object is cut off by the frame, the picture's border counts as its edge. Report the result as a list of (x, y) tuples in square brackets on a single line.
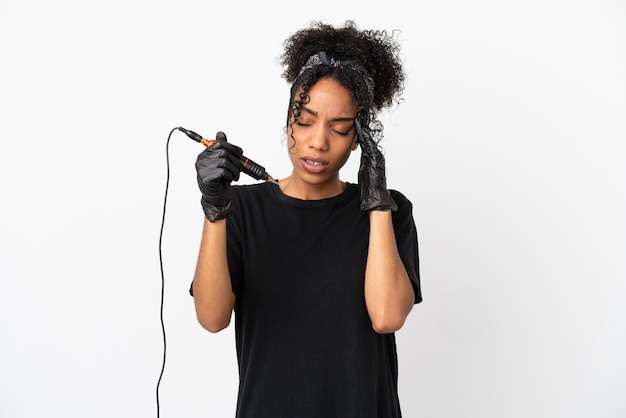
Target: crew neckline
[(347, 193)]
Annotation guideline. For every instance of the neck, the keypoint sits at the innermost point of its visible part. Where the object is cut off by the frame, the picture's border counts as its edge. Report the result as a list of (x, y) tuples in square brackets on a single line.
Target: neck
[(294, 187)]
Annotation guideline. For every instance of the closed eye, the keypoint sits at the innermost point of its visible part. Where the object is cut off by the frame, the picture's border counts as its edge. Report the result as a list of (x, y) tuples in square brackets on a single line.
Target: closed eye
[(344, 133)]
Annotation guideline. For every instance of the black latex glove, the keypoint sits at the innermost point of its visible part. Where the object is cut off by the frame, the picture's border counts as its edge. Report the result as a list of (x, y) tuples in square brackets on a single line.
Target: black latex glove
[(217, 166), (372, 180)]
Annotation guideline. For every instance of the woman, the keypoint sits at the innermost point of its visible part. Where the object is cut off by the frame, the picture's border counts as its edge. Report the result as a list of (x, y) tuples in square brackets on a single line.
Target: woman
[(319, 272)]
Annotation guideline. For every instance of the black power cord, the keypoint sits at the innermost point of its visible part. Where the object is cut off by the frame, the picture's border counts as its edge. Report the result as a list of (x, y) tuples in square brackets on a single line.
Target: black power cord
[(249, 167), (167, 183)]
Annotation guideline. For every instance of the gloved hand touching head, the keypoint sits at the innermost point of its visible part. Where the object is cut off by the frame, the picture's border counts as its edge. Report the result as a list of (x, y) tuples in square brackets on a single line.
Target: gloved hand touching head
[(216, 167), (372, 180)]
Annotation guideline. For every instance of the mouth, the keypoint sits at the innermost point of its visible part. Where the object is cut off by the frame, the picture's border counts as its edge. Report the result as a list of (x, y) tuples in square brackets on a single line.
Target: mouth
[(314, 165)]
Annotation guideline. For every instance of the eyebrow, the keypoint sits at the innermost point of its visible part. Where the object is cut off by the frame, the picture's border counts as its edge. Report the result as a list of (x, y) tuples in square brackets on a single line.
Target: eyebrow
[(314, 113)]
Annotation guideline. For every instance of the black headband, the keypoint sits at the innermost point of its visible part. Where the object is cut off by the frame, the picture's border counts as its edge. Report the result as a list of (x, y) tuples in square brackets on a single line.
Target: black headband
[(322, 59)]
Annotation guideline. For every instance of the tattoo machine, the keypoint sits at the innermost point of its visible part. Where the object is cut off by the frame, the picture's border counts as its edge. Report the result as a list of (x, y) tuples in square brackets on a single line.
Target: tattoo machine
[(251, 168)]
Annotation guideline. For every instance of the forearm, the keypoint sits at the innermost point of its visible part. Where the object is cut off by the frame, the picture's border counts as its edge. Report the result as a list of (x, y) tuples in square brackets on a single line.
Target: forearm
[(212, 288), (388, 292)]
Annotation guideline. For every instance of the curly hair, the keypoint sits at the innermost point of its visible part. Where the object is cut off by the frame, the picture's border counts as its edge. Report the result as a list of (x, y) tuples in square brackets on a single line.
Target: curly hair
[(376, 51)]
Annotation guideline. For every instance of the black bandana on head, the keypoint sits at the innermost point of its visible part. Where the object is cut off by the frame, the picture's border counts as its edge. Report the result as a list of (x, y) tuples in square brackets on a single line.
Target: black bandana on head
[(322, 59)]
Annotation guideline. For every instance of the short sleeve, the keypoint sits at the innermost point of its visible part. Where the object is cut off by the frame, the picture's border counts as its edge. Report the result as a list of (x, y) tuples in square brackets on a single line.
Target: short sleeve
[(235, 253), (406, 240)]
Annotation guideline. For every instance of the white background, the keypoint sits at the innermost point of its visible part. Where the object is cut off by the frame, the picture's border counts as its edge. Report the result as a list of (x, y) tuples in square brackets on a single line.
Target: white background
[(510, 144)]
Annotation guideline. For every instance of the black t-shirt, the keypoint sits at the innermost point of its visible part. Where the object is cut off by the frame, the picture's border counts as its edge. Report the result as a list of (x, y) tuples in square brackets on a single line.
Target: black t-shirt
[(305, 343)]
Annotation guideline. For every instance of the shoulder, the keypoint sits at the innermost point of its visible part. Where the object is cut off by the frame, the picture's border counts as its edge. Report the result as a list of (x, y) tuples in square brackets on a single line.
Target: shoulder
[(403, 217), (404, 204), (400, 199), (251, 201), (251, 191)]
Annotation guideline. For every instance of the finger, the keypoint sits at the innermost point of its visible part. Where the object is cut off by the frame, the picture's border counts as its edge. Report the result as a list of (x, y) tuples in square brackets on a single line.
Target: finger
[(218, 168), (365, 138), (221, 136), (222, 145), (232, 170)]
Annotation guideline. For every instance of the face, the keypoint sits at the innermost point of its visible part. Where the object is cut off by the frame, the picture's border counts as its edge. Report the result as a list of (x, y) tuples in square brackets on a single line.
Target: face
[(324, 136)]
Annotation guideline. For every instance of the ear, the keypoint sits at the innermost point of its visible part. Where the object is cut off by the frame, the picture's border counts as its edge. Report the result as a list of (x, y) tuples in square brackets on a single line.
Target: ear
[(355, 144)]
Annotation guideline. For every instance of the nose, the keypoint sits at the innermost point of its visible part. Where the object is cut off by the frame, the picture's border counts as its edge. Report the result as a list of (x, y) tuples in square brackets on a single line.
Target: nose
[(318, 139)]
